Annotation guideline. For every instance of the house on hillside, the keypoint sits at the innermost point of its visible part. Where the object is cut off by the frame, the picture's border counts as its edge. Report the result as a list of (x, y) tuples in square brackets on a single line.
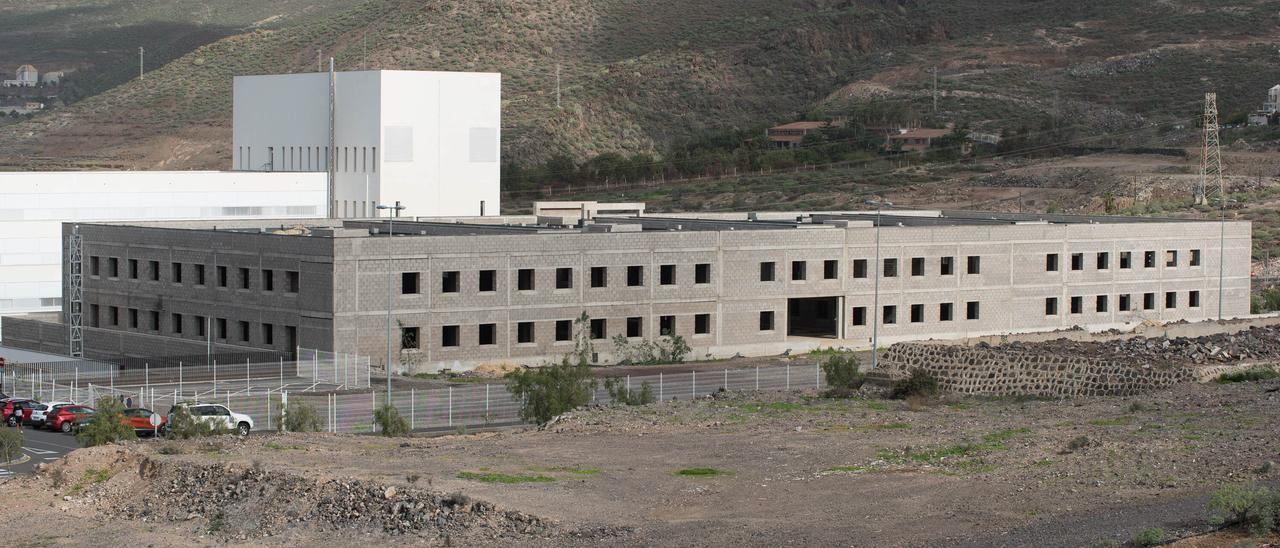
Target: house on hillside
[(917, 140), (790, 135), (25, 76), (1270, 113), (52, 78)]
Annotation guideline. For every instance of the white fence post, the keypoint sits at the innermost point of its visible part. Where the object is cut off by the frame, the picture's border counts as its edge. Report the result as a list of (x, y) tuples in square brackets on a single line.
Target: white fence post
[(726, 380), (486, 400), (788, 377), (660, 386), (412, 400), (757, 378), (817, 376), (450, 406), (693, 388), (246, 376), (215, 378)]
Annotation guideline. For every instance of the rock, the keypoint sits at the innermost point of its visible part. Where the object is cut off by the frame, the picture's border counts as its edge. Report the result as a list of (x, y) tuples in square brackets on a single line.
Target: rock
[(389, 492)]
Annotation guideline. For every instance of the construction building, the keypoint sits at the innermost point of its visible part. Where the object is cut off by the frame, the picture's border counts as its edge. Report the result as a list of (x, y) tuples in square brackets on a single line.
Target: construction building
[(467, 291), (25, 76)]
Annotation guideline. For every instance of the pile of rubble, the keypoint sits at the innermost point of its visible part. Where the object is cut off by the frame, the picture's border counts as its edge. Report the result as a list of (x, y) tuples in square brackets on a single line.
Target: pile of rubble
[(1255, 344), (244, 502)]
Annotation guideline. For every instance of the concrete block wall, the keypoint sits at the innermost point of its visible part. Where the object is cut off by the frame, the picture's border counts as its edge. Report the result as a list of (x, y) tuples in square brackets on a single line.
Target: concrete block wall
[(991, 372)]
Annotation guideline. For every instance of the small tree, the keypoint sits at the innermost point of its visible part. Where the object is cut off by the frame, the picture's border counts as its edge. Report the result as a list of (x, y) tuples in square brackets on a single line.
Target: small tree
[(545, 392), (10, 444), (107, 425), (299, 417), (182, 425), (390, 422), (1247, 504), (843, 378), (583, 349)]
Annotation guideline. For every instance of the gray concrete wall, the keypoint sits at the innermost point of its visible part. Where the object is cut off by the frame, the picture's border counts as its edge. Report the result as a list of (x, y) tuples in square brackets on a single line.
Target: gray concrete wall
[(309, 310), (1011, 287), (343, 300)]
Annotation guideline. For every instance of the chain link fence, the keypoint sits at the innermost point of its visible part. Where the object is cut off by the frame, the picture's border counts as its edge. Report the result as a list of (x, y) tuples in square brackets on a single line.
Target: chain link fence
[(444, 408)]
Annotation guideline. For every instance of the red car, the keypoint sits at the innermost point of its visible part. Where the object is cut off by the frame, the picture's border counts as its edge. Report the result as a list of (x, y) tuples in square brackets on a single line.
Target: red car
[(7, 410), (64, 417), (140, 419)]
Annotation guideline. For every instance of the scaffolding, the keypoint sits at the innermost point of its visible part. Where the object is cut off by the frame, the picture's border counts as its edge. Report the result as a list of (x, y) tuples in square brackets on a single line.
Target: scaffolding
[(76, 285)]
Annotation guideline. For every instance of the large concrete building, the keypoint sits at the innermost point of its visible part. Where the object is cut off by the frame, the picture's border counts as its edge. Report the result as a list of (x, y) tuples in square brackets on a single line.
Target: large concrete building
[(429, 140), (33, 206), (469, 291)]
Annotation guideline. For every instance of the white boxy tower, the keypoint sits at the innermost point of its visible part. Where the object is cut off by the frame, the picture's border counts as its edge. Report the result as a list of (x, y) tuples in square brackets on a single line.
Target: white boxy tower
[(429, 140)]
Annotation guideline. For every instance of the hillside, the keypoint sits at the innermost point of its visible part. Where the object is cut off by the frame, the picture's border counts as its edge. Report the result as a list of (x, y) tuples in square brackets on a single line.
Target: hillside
[(640, 76)]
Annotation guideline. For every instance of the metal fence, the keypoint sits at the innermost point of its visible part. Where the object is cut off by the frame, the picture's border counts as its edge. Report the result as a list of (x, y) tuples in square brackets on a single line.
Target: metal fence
[(84, 380), (452, 407)]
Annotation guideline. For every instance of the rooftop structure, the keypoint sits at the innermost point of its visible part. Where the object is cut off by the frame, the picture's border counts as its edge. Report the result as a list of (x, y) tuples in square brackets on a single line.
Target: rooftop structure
[(914, 140), (429, 140), (470, 291)]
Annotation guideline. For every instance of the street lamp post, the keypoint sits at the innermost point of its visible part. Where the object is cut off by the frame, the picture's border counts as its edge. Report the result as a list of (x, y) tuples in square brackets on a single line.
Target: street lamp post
[(391, 232)]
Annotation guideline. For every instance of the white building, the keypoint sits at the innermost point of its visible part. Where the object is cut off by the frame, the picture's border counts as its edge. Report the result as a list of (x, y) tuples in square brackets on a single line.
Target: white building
[(1273, 100), (34, 205), (25, 76), (429, 140)]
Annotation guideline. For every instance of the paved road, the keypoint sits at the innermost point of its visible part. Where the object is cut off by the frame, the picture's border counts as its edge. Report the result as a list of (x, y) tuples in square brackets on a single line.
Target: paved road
[(40, 446)]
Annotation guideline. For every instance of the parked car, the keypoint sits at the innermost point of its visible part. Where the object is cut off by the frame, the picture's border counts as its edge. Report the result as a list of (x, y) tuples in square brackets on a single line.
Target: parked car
[(7, 411), (140, 419), (40, 412), (216, 415), (64, 417)]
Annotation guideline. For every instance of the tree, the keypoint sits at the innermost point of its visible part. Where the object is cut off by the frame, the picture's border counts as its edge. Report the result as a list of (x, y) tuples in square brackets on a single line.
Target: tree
[(107, 425), (545, 392)]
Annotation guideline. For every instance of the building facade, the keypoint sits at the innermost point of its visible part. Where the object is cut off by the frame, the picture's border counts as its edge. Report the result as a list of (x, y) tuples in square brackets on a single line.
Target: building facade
[(33, 206), (429, 140), (509, 290), (24, 76)]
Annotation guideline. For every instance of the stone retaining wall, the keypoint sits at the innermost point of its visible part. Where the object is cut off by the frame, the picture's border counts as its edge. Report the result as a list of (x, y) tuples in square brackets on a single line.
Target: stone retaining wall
[(986, 371)]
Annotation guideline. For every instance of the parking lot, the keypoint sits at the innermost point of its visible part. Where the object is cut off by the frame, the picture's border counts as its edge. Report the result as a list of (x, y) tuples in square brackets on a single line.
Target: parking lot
[(40, 446)]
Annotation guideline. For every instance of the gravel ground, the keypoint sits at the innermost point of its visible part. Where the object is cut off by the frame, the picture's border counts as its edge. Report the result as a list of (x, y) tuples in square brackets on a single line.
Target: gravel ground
[(786, 469)]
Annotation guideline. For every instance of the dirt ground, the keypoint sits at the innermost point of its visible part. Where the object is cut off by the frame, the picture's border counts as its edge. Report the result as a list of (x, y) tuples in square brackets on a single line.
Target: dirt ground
[(787, 469)]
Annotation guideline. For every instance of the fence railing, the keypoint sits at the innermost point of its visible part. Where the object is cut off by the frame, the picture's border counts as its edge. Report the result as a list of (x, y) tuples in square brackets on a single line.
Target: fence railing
[(451, 407), (319, 371)]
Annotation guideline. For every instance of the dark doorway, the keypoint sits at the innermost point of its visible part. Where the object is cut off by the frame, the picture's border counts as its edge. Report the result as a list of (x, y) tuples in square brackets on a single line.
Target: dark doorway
[(814, 317)]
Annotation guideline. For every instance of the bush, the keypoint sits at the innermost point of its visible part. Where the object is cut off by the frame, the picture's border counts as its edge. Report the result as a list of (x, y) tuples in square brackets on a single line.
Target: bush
[(298, 417), (10, 444), (1247, 504), (919, 383), (619, 393), (1149, 537), (545, 392), (183, 426), (671, 349), (843, 378), (1079, 443), (1248, 375), (107, 425), (390, 422)]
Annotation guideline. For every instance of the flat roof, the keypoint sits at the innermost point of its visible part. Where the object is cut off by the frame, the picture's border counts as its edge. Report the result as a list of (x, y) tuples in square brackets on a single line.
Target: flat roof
[(525, 224)]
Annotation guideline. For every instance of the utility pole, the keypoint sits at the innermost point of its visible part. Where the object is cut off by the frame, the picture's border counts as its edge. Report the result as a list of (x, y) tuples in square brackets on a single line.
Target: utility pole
[(935, 90), (141, 55), (1211, 166), (557, 85)]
